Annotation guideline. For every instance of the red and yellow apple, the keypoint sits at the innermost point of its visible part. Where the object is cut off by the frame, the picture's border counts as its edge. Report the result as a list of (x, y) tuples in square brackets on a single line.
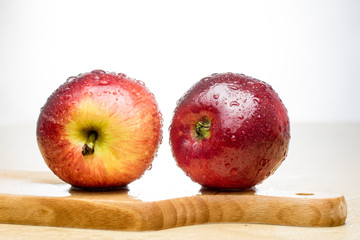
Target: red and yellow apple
[(230, 131), (99, 130)]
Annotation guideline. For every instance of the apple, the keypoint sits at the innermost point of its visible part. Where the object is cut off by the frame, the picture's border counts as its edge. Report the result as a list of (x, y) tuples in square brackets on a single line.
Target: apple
[(230, 131), (99, 130)]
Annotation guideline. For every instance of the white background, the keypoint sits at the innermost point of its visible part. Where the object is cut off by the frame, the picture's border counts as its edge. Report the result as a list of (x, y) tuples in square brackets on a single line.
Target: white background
[(309, 51)]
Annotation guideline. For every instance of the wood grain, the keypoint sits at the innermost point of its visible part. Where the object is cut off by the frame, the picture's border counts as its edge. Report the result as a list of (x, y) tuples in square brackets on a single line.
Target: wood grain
[(28, 202)]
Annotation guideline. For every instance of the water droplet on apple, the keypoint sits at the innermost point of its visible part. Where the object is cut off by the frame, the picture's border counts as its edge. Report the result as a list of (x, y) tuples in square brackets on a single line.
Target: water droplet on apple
[(114, 93), (42, 127), (203, 178), (206, 78), (233, 87), (98, 71), (70, 79), (105, 91), (103, 82), (234, 103), (259, 116), (250, 83), (88, 94), (216, 96), (241, 117), (121, 75), (233, 171), (140, 82), (263, 162), (227, 165), (267, 127), (150, 167), (65, 97), (65, 89), (256, 100), (233, 138)]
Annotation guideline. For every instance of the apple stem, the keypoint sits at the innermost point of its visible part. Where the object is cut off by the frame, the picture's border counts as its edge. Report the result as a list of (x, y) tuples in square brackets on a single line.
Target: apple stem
[(202, 129), (89, 146)]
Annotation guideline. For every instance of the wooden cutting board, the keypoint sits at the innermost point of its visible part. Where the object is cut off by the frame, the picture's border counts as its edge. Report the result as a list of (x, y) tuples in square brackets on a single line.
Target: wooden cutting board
[(36, 198)]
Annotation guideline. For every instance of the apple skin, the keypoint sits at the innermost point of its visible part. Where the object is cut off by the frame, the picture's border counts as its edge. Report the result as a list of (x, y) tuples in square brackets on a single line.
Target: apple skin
[(230, 131), (126, 121)]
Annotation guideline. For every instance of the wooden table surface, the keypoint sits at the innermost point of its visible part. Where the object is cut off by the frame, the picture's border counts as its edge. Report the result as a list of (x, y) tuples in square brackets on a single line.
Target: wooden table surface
[(323, 157)]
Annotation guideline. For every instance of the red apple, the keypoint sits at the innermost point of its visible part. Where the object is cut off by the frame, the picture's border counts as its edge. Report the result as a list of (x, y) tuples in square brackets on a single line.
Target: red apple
[(99, 130), (230, 131)]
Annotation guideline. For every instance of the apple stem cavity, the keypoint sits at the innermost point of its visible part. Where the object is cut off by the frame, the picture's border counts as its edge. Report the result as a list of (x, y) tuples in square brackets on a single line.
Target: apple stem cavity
[(89, 146), (202, 129)]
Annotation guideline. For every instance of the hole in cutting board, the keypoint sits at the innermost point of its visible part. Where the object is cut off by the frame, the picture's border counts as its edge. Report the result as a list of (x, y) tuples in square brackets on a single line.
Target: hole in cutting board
[(304, 194)]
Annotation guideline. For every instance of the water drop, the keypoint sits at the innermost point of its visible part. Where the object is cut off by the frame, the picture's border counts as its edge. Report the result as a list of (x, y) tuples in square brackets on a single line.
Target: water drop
[(227, 165), (65, 97), (233, 138), (263, 162), (233, 87), (259, 116), (203, 177), (114, 93), (250, 83), (88, 94), (216, 96), (241, 117), (150, 167), (105, 91), (140, 82), (70, 79), (42, 128), (121, 75), (103, 82), (234, 103), (256, 100), (64, 89), (233, 172), (267, 127), (98, 71)]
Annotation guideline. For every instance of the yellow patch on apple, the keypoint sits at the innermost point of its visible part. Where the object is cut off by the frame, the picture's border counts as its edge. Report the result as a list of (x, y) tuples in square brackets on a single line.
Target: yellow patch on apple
[(117, 137)]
